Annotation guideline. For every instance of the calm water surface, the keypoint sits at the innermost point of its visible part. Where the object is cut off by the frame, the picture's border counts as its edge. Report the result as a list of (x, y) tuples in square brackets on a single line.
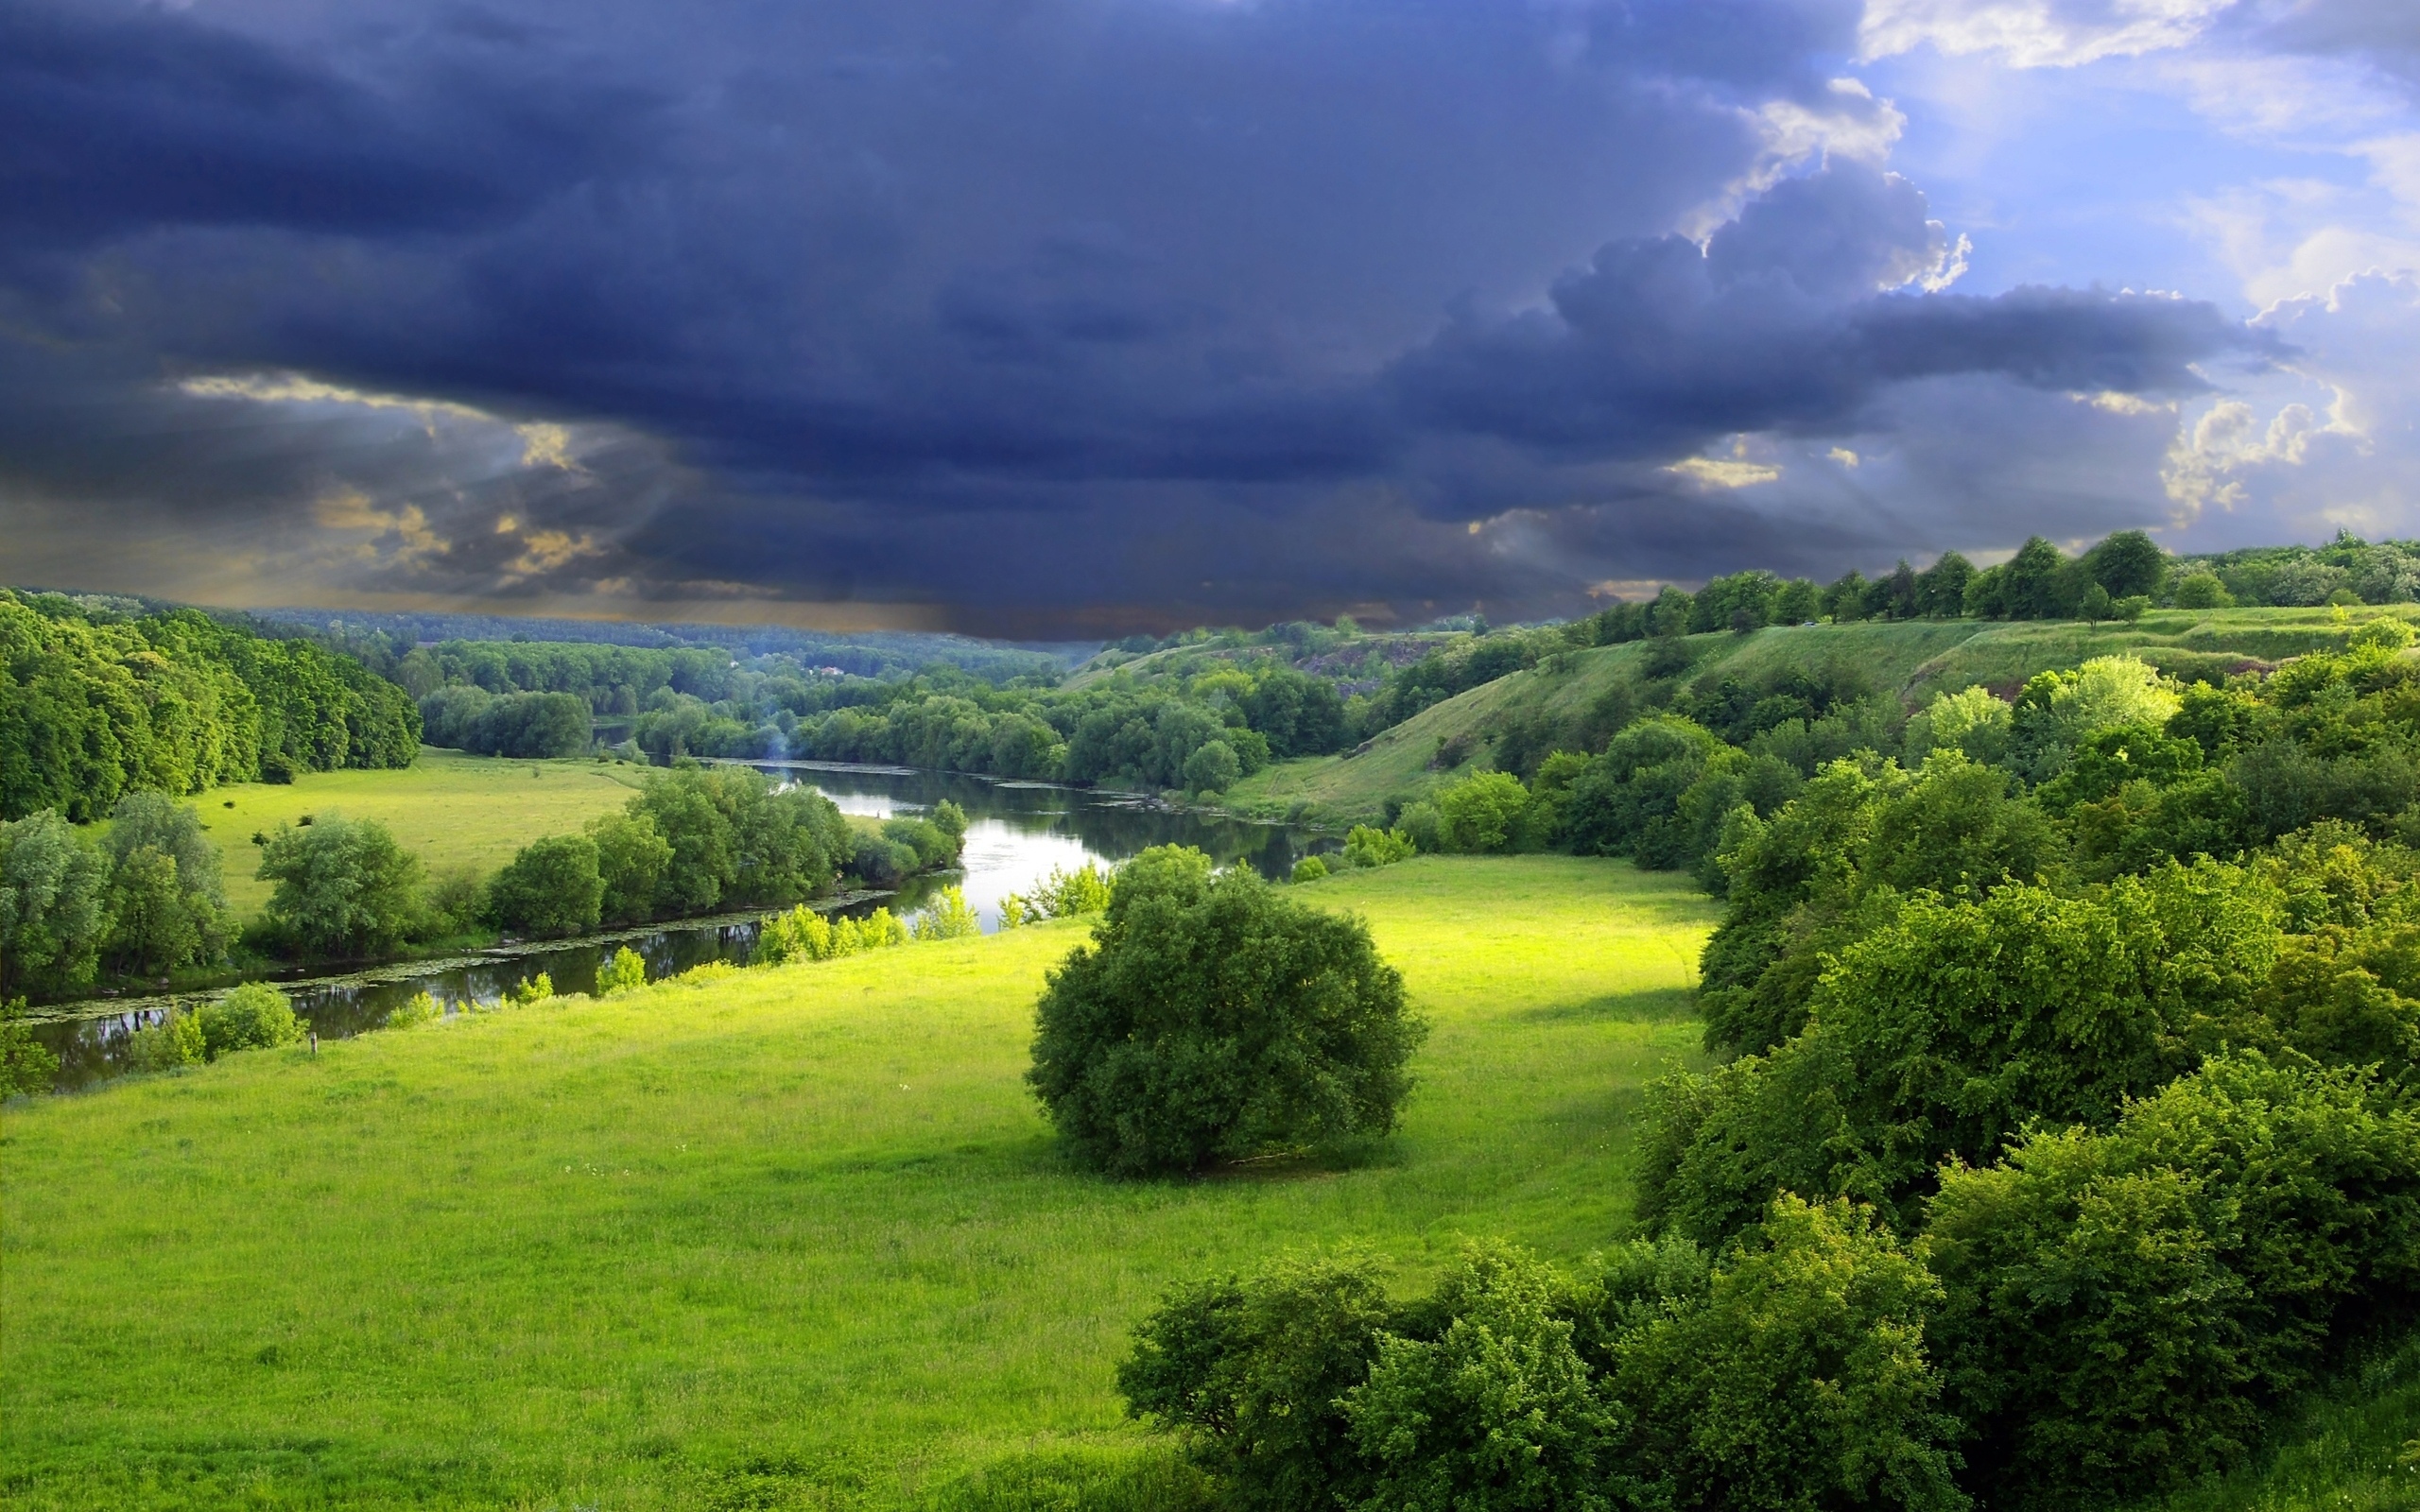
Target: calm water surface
[(1017, 832)]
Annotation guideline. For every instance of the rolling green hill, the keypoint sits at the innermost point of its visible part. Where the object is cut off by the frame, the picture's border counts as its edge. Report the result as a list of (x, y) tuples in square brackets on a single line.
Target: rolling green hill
[(1916, 660)]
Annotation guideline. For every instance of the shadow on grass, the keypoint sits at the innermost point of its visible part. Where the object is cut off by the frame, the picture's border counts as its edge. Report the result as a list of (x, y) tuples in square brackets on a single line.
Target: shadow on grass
[(1659, 1005)]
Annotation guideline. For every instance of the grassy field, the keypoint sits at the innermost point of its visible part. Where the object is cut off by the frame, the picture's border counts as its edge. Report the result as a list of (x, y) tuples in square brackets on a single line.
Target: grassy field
[(1915, 660), (794, 1238), (449, 808)]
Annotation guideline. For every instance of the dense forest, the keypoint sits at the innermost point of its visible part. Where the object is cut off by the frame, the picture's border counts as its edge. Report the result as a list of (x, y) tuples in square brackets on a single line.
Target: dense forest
[(95, 703)]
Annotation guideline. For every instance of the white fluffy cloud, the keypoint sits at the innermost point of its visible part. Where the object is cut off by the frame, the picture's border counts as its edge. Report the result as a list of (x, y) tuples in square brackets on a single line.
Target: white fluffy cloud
[(2037, 33)]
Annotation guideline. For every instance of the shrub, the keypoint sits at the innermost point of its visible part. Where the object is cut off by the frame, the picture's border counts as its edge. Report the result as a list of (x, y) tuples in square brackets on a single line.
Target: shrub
[(2128, 1308), (1498, 1411), (804, 935), (2203, 590), (344, 887), (1214, 1018), (1310, 869), (1368, 846), (26, 1064), (1481, 814), (632, 857), (255, 1016), (879, 861), (931, 845), (552, 887), (418, 1009), (1255, 1370), (530, 990), (175, 1041), (624, 972), (1060, 894), (1800, 1380), (947, 916)]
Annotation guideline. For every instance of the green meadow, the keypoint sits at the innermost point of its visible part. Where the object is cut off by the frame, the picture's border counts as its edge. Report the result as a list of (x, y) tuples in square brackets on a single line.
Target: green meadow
[(451, 810), (790, 1238)]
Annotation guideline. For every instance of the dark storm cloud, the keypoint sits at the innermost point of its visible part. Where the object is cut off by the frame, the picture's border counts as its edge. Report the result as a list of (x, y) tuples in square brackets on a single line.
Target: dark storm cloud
[(1779, 323), (1079, 308)]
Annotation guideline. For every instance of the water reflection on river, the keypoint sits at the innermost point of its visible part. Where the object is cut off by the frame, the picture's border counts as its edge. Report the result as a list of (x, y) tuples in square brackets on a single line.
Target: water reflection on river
[(1017, 833)]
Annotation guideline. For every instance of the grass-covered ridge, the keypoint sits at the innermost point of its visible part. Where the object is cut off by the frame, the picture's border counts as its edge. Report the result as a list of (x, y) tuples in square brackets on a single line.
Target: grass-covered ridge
[(1914, 660), (796, 1234)]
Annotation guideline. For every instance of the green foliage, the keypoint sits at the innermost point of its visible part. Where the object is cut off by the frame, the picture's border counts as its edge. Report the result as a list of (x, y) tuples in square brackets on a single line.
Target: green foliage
[(1310, 869), (1948, 1029), (522, 725), (26, 1064), (552, 887), (1214, 1018), (255, 1016), (2128, 1308), (530, 990), (53, 905), (1367, 846), (176, 1041), (626, 971), (1628, 802), (1062, 894), (2201, 590), (167, 906), (1800, 1380), (1257, 1368), (1482, 814), (1793, 1373), (805, 935), (344, 887), (632, 858), (1212, 768), (1497, 1413), (93, 707), (418, 1009), (736, 840), (947, 916)]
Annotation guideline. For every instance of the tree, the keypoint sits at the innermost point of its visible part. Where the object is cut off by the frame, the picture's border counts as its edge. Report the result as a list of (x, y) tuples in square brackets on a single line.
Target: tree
[(1213, 1018), (1212, 768), (2126, 564), (167, 907), (53, 905), (552, 886), (631, 858), (344, 887), (624, 972)]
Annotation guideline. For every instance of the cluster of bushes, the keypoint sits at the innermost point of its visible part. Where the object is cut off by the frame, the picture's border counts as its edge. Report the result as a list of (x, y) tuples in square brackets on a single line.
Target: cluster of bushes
[(95, 705), (255, 1016), (1789, 1370), (147, 899), (805, 935), (2347, 570)]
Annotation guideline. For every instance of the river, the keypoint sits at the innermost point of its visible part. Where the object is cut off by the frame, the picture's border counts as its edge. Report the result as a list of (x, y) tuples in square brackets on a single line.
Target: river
[(1017, 832)]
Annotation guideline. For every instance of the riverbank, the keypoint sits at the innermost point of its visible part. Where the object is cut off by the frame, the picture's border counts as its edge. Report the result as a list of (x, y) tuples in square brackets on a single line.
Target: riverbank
[(789, 1237)]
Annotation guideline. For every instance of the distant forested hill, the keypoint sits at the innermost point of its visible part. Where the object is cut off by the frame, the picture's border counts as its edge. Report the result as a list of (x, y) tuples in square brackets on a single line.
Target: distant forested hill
[(96, 702), (864, 654)]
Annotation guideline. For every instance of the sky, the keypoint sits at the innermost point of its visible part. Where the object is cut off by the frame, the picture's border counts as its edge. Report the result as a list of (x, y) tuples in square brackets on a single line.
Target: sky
[(1065, 318)]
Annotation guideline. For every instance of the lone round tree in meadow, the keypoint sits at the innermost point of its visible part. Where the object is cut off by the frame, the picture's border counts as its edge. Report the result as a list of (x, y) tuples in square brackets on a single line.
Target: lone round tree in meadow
[(1212, 1018)]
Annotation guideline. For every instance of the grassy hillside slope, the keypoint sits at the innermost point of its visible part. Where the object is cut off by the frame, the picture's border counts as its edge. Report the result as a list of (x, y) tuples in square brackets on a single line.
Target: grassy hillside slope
[(449, 808), (1916, 659), (793, 1238)]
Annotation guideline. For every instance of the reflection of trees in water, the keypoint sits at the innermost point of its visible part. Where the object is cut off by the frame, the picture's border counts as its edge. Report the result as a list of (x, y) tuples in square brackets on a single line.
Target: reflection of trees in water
[(1108, 824)]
